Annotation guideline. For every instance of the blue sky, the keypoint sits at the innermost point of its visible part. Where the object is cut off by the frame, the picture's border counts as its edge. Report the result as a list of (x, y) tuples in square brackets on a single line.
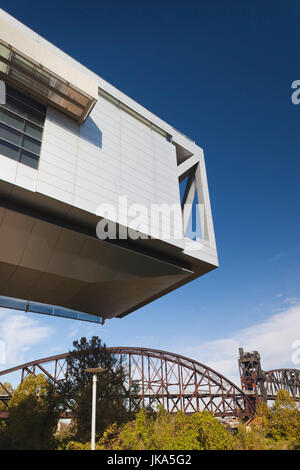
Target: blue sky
[(221, 72)]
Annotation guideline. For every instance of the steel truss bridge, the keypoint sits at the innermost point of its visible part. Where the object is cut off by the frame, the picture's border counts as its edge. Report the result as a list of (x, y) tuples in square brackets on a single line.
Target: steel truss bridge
[(177, 382)]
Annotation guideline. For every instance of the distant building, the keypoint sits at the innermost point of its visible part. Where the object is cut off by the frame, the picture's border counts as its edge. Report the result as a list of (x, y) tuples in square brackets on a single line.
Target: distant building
[(71, 148)]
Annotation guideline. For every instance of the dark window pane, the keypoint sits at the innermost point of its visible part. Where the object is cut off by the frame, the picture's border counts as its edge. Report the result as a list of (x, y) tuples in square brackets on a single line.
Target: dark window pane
[(7, 133), (21, 126), (11, 119), (31, 145), (24, 111), (25, 99), (29, 159), (33, 130), (9, 150), (14, 106), (23, 104)]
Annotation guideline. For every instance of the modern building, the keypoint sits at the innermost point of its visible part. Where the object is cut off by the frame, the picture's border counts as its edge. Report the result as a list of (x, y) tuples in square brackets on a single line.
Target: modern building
[(72, 147)]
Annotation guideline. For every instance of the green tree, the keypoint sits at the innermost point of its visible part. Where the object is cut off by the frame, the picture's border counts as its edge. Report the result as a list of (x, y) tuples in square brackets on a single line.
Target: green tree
[(275, 428), (163, 431), (33, 416), (112, 388), (282, 420)]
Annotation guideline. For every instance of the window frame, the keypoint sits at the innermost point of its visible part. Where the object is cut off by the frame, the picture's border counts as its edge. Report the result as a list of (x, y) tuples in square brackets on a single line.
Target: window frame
[(30, 105)]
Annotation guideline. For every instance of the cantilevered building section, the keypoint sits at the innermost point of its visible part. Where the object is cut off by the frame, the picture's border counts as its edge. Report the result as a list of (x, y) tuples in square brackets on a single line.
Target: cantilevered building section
[(70, 146)]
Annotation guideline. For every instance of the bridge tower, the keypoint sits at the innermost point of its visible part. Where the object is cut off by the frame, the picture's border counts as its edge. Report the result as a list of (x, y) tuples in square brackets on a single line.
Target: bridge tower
[(252, 376)]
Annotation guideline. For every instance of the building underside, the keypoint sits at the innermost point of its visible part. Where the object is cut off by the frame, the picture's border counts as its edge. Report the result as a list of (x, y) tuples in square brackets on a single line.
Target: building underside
[(50, 254)]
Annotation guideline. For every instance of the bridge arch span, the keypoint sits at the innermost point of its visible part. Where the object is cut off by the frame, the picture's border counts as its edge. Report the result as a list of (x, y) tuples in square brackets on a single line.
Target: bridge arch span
[(172, 380), (282, 379)]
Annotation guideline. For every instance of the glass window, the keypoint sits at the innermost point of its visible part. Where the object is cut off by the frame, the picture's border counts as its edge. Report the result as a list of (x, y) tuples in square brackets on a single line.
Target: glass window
[(29, 159), (33, 131), (11, 119), (9, 150), (9, 134), (21, 127), (31, 145), (24, 111), (25, 98)]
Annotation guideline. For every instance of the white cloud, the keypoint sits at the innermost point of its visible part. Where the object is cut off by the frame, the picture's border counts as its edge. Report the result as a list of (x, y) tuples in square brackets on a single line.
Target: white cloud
[(292, 300), (272, 338), (19, 333)]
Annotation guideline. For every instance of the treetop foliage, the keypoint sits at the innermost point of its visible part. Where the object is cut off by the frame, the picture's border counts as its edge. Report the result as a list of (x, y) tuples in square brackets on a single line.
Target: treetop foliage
[(113, 391), (275, 428), (33, 416)]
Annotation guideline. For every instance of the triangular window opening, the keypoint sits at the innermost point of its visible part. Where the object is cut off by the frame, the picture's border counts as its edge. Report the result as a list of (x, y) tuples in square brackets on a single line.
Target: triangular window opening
[(193, 229)]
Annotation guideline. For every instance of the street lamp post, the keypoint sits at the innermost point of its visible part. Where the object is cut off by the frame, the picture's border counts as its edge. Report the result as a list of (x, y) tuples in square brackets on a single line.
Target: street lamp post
[(94, 371)]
